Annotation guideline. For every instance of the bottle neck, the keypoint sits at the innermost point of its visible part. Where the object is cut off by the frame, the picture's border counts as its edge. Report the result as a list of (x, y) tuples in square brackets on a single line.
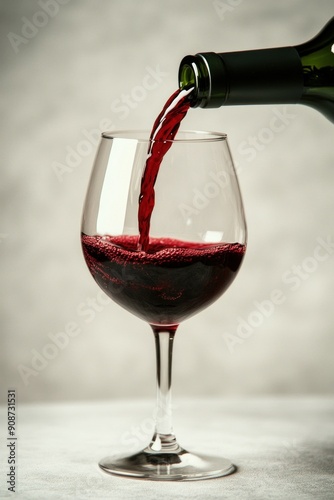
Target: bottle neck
[(269, 76)]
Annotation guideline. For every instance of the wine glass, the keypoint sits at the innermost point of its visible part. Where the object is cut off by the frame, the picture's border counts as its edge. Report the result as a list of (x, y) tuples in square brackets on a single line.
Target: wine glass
[(197, 241)]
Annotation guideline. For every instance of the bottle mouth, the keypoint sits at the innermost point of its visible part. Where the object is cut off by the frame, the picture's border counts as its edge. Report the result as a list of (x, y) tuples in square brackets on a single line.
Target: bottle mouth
[(191, 74), (206, 73)]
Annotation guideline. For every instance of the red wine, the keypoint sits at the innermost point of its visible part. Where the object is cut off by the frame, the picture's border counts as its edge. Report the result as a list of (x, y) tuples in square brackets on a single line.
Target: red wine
[(163, 132), (169, 282)]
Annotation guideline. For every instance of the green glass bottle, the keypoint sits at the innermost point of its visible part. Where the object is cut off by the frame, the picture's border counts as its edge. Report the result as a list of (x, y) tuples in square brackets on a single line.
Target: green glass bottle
[(287, 75)]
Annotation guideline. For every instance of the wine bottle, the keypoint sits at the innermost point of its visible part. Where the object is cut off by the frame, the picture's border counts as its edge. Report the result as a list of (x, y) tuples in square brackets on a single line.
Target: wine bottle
[(287, 75)]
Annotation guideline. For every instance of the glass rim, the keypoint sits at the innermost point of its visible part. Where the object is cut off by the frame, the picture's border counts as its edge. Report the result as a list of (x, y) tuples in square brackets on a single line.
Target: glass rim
[(181, 136)]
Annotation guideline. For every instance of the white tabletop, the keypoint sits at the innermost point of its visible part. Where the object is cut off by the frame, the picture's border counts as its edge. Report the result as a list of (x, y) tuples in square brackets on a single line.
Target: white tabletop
[(284, 448)]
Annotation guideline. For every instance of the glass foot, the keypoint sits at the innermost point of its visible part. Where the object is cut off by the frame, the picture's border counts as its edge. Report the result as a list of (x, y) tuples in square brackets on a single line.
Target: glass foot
[(177, 466)]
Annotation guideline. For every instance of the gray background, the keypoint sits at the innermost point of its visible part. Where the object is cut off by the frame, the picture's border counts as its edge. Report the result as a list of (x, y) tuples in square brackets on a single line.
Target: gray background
[(65, 78)]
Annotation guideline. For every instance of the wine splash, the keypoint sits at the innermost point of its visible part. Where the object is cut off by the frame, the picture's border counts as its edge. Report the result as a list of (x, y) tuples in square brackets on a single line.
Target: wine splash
[(163, 132)]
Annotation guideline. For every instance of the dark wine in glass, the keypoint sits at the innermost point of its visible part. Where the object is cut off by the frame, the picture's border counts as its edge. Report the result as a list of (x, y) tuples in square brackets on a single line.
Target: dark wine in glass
[(194, 245)]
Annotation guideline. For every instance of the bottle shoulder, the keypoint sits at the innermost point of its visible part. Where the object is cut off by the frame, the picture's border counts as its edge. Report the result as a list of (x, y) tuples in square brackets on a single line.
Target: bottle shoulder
[(317, 58), (319, 44)]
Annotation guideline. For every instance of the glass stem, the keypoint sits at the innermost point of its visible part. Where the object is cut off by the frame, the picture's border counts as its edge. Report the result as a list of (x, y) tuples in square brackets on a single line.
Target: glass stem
[(164, 440)]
